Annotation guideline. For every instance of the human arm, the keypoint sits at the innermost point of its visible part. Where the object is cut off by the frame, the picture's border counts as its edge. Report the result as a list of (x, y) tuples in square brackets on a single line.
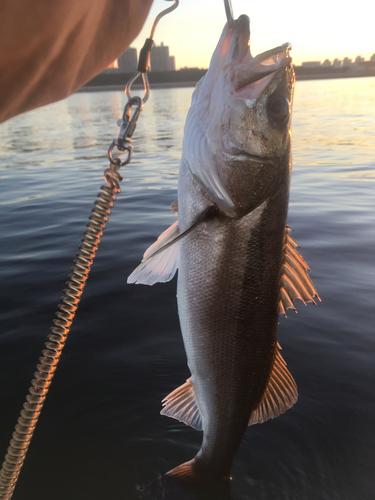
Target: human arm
[(50, 48)]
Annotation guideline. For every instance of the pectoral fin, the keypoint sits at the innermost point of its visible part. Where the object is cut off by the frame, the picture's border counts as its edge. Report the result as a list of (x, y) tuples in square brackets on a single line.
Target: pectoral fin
[(280, 394), (160, 260), (182, 405), (295, 282), (158, 267)]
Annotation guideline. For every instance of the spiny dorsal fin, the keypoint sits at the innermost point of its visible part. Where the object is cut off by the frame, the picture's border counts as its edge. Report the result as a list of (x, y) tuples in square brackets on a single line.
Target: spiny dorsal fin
[(182, 405), (280, 394), (295, 282)]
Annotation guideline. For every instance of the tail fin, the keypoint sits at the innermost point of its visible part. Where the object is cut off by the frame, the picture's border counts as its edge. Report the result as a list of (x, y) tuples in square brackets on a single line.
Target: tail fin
[(194, 472)]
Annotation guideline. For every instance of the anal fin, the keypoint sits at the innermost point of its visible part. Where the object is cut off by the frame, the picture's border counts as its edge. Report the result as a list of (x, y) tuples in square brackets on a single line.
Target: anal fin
[(181, 404), (280, 394)]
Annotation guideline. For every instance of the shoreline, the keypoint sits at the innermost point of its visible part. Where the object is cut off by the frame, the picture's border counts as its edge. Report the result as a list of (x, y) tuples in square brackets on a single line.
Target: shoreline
[(164, 85), (173, 85), (330, 76)]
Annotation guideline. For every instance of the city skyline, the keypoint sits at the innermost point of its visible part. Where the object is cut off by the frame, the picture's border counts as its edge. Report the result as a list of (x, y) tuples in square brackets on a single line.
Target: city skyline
[(319, 33), (162, 61), (338, 63)]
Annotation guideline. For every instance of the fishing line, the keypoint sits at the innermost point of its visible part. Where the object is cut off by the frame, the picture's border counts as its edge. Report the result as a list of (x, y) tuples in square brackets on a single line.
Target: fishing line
[(32, 407), (229, 13)]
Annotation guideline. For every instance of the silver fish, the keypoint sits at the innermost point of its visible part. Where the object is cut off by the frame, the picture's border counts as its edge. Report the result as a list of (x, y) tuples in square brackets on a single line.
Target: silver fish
[(238, 265)]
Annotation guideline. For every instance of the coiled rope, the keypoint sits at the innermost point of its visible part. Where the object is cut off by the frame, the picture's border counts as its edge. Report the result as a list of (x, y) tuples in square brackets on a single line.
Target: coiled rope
[(28, 418)]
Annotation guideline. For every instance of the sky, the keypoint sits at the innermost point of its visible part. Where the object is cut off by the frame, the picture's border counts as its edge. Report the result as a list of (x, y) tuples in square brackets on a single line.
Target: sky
[(317, 30)]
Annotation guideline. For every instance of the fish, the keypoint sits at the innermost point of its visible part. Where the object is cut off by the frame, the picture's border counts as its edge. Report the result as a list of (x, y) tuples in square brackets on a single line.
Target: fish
[(238, 266)]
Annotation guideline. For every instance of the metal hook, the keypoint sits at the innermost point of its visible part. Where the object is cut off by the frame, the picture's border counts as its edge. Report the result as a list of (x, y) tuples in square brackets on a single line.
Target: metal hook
[(229, 13), (162, 14), (145, 54)]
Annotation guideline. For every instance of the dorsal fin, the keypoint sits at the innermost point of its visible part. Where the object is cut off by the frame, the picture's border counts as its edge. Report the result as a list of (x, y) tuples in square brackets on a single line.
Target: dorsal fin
[(295, 282), (181, 404), (280, 394)]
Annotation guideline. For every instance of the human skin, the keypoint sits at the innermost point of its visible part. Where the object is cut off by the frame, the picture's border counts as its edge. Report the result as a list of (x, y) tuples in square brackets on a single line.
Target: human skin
[(50, 48)]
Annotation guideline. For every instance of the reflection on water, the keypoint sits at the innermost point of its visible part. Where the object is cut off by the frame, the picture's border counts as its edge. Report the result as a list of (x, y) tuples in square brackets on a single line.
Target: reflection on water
[(170, 488), (100, 435), (361, 175), (165, 109)]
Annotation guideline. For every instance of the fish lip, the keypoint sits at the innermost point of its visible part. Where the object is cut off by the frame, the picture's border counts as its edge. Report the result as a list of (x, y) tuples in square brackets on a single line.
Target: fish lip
[(253, 70), (247, 69), (271, 52), (240, 38)]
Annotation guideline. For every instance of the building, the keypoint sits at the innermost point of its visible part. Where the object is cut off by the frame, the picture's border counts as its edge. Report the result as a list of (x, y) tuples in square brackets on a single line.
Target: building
[(355, 68), (359, 63), (128, 61), (161, 60), (172, 63)]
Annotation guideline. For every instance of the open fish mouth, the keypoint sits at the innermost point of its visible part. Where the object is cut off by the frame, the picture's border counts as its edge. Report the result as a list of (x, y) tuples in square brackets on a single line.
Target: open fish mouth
[(245, 68), (262, 65)]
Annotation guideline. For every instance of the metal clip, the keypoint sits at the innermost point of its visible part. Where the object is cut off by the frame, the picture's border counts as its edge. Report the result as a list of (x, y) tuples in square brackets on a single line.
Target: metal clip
[(145, 54), (162, 14), (125, 147), (146, 86), (127, 125), (128, 122)]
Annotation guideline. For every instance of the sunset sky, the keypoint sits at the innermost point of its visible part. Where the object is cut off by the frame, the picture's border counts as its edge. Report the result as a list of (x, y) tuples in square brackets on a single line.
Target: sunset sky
[(318, 30)]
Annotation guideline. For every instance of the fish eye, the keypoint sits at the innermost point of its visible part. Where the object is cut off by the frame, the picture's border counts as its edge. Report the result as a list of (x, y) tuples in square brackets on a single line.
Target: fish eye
[(278, 109)]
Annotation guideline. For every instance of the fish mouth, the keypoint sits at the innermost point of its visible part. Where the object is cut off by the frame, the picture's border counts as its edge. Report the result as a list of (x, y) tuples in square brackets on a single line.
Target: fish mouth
[(248, 70), (262, 65)]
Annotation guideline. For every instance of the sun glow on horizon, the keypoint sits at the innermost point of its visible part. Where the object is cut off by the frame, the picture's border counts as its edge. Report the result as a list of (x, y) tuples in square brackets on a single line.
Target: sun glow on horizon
[(325, 31)]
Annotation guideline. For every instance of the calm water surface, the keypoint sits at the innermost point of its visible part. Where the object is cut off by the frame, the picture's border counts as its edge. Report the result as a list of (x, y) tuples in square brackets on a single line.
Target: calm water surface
[(100, 435)]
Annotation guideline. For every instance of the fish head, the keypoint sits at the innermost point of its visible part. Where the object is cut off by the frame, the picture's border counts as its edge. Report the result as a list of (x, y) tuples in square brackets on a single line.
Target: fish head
[(238, 129)]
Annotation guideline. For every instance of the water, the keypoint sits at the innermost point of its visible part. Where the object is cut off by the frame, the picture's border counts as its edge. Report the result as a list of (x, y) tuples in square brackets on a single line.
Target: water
[(100, 435)]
